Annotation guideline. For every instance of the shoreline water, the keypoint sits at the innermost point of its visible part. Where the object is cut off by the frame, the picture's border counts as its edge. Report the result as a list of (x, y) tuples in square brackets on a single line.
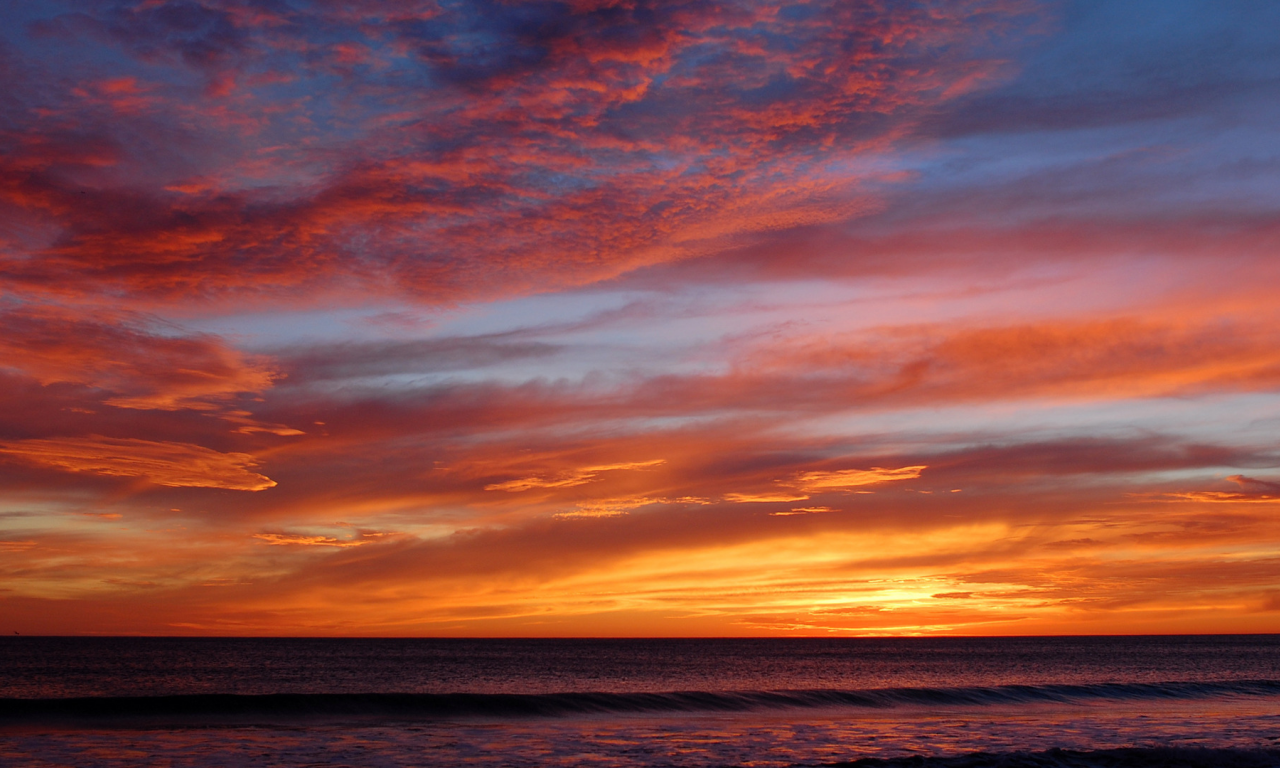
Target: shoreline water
[(284, 707), (950, 703)]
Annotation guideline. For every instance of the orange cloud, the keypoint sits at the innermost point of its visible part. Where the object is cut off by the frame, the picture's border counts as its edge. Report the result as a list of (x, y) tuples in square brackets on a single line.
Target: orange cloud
[(714, 570), (908, 366), (811, 482), (613, 507), (1218, 497), (808, 483), (802, 511), (570, 478), (303, 540), (765, 497), (171, 464), (1253, 491)]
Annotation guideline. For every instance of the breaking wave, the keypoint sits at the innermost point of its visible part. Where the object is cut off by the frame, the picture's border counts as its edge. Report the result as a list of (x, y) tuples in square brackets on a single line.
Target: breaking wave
[(508, 705), (1133, 757)]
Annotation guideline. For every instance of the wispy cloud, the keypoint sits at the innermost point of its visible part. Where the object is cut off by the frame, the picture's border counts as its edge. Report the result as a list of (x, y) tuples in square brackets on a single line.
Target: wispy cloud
[(172, 464), (570, 478), (312, 540), (854, 478)]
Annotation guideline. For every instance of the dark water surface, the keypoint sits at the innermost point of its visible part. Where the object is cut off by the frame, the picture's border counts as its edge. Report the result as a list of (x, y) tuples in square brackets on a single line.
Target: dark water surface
[(63, 667), (1041, 701)]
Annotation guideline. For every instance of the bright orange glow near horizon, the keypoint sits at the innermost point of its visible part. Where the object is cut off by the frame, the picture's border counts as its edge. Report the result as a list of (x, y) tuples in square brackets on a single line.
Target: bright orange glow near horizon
[(631, 319)]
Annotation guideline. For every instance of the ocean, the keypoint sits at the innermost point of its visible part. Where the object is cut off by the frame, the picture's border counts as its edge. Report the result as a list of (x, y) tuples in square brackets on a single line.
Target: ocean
[(872, 703)]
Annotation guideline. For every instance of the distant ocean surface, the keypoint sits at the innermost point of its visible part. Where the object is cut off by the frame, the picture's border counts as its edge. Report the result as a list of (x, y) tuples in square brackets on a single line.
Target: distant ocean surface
[(929, 702)]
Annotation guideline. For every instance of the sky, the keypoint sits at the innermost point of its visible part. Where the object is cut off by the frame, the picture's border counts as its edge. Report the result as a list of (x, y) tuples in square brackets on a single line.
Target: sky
[(597, 318)]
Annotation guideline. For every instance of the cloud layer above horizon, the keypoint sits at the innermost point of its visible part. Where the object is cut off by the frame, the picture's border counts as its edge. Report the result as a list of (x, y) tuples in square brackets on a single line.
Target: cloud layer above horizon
[(627, 318)]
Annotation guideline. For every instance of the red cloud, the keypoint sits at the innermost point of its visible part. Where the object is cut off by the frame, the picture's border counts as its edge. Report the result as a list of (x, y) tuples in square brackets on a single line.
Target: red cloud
[(574, 147), (135, 364), (172, 464)]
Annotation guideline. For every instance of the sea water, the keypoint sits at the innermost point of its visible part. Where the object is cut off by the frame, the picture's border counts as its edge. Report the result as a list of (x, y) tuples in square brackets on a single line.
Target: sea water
[(1067, 701)]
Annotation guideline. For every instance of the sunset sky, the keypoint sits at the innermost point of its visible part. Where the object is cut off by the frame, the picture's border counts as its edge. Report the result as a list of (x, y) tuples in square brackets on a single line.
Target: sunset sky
[(595, 318)]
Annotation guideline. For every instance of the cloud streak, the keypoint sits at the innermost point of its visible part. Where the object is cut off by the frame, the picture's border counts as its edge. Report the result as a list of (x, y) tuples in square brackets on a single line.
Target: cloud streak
[(170, 464)]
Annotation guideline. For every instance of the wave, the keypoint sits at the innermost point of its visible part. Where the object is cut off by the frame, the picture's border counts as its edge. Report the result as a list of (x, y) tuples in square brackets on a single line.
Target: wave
[(1130, 757), (507, 705)]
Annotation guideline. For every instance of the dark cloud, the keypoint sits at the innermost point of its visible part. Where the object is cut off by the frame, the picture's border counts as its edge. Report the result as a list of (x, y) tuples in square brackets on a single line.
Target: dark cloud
[(200, 35), (1110, 64), (365, 359)]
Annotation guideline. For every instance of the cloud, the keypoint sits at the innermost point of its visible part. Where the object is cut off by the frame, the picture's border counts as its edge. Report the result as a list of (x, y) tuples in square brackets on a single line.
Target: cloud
[(907, 366), (1115, 65), (814, 257), (177, 465), (201, 36), (453, 153), (306, 540), (1254, 484), (802, 511), (330, 362), (1252, 491), (610, 507), (570, 478), (137, 364), (815, 482), (724, 569), (765, 497), (812, 482)]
